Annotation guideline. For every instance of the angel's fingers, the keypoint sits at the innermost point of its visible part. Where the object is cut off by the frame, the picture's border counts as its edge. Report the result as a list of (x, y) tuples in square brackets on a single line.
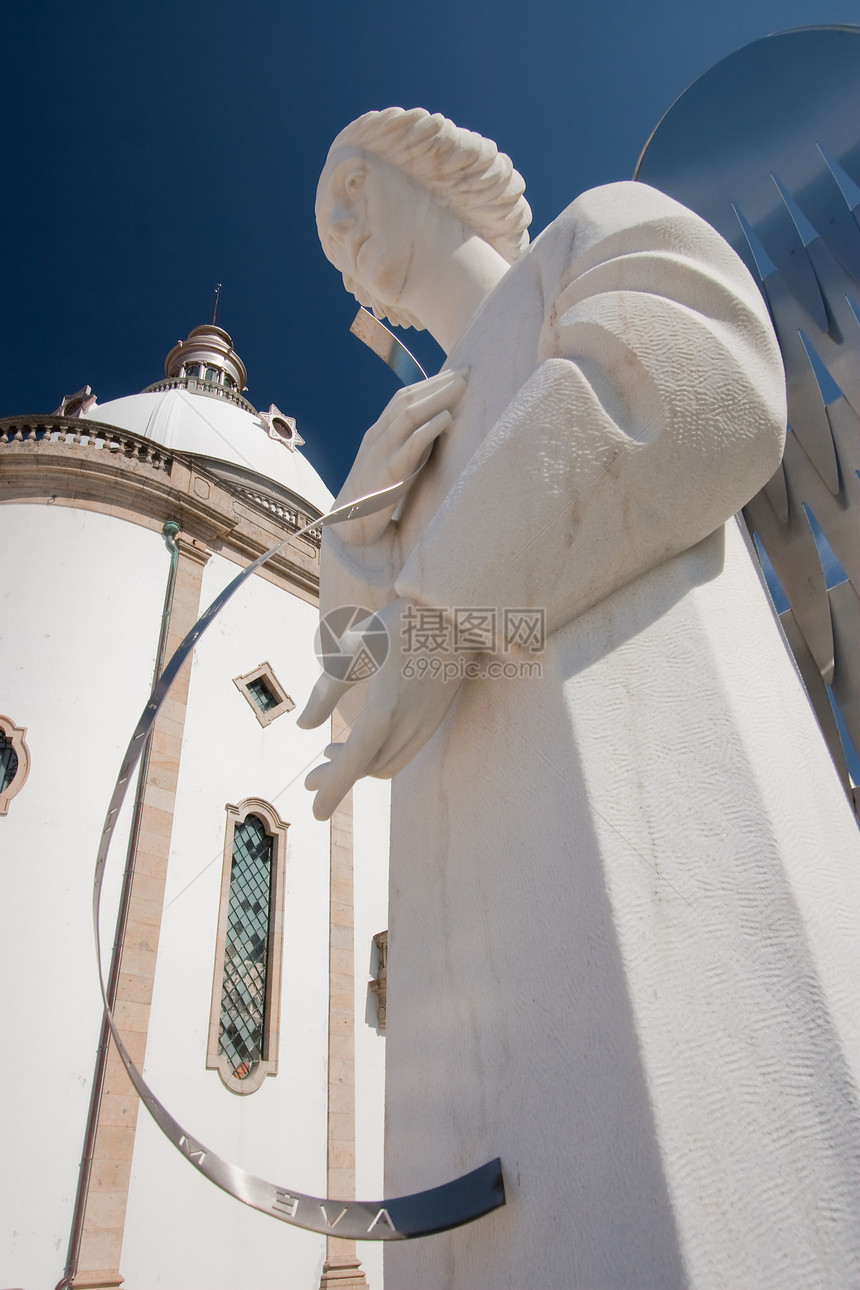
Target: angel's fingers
[(405, 399), (406, 460), (348, 763), (428, 388), (316, 778), (331, 786), (421, 410), (323, 700)]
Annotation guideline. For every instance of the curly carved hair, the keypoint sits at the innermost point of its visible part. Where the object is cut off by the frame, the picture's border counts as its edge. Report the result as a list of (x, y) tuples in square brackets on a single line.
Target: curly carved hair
[(465, 172)]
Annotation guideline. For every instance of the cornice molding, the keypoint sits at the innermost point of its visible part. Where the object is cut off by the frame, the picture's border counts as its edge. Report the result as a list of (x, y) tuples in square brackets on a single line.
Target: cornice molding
[(80, 463)]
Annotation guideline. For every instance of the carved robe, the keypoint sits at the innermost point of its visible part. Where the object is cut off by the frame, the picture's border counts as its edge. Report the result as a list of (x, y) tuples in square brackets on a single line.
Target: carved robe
[(609, 882)]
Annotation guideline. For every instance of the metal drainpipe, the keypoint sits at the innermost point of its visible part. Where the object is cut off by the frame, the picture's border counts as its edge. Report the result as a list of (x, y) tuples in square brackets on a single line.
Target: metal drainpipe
[(169, 532)]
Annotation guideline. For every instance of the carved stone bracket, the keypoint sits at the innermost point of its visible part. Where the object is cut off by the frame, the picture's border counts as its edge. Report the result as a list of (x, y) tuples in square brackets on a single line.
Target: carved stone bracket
[(379, 984)]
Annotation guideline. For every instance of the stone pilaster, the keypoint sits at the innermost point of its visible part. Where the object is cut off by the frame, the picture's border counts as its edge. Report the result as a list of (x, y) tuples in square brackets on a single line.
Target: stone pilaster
[(342, 1269), (347, 1274), (113, 1148)]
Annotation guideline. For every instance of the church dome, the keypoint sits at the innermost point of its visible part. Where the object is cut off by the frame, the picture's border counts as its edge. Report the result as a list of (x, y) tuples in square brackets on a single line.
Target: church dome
[(199, 408)]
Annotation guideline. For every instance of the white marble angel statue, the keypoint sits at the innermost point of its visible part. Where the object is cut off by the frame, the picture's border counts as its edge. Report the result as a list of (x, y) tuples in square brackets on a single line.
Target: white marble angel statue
[(619, 955)]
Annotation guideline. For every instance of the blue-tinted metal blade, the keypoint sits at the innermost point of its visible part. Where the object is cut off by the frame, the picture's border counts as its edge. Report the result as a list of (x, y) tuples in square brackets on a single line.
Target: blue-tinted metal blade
[(385, 344)]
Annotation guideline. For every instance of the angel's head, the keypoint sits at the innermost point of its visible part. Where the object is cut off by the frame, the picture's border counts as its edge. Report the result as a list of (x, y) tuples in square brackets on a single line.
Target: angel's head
[(389, 179)]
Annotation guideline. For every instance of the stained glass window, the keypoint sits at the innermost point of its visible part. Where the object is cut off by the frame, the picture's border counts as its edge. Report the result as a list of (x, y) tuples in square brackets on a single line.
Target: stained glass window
[(242, 1037), (8, 761), (14, 761), (262, 695)]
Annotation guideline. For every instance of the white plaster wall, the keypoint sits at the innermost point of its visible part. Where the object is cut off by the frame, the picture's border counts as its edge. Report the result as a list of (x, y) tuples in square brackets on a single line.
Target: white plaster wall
[(80, 610), (371, 808), (279, 1131)]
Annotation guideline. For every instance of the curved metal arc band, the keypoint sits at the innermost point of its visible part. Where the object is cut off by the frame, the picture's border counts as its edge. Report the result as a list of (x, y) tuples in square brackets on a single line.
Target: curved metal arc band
[(399, 1218)]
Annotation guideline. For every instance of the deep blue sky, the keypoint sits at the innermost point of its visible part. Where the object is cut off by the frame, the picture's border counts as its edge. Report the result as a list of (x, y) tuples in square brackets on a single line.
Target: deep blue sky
[(157, 148)]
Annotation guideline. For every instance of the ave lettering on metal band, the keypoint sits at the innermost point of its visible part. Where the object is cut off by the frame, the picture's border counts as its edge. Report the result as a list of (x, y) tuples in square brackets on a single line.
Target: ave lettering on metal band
[(396, 1219)]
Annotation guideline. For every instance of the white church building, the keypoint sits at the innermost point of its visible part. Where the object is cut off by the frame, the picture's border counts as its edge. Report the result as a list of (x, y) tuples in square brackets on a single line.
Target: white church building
[(244, 942)]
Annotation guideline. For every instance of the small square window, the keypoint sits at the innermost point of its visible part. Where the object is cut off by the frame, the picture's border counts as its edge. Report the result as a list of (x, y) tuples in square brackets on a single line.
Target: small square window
[(266, 696), (261, 694)]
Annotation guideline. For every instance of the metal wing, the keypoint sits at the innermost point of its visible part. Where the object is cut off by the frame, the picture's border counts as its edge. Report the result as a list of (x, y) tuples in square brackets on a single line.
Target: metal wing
[(766, 147)]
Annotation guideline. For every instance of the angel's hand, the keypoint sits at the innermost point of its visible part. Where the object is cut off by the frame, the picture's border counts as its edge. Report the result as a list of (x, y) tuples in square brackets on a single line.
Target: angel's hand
[(400, 715), (394, 446)]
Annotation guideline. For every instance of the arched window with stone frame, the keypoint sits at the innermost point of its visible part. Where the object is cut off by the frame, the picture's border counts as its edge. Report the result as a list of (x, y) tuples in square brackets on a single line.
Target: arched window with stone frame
[(14, 761), (246, 987)]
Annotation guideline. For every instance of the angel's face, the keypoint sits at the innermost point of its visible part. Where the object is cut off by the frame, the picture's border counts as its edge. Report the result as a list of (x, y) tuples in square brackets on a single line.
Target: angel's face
[(369, 216)]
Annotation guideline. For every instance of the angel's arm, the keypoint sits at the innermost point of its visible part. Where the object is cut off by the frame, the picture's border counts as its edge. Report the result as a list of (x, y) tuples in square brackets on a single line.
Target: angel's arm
[(657, 411)]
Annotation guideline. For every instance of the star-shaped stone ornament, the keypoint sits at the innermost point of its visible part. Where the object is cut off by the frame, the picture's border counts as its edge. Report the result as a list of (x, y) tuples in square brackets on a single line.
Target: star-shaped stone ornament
[(75, 405), (281, 427)]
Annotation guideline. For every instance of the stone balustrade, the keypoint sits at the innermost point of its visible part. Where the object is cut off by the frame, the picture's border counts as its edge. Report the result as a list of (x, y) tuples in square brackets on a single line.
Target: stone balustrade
[(72, 430), (197, 385), (288, 515)]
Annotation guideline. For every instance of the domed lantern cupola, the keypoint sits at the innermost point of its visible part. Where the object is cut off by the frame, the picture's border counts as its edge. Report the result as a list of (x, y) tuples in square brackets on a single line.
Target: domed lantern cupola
[(206, 362)]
